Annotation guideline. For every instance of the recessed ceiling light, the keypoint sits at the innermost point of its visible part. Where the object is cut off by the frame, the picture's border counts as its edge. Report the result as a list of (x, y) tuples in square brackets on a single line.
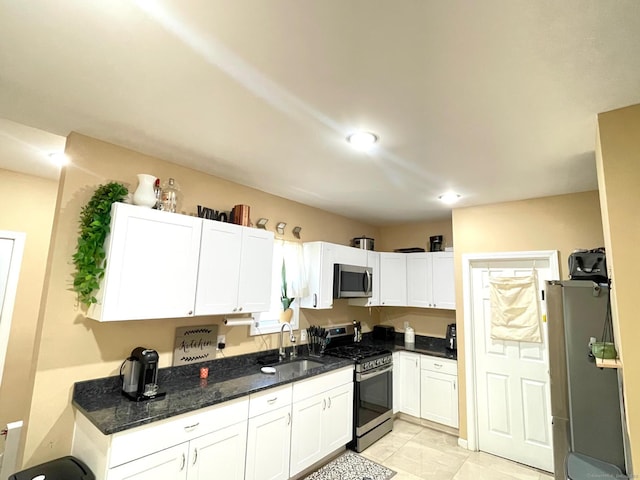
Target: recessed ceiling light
[(449, 197), (362, 140), (59, 158)]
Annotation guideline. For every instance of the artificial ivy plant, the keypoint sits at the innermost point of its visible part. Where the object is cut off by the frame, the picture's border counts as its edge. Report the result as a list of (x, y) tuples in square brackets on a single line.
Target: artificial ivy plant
[(89, 259)]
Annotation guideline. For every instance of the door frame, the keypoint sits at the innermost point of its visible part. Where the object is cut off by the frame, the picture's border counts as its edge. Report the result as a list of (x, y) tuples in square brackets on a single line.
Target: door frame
[(7, 304), (469, 260)]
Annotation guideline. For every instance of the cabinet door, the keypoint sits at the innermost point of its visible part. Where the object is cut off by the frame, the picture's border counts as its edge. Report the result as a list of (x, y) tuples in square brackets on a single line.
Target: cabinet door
[(393, 279), (256, 262), (318, 258), (306, 438), (219, 272), (439, 398), (169, 464), (443, 280), (418, 280), (373, 261), (268, 445), (396, 383), (152, 265), (220, 454), (410, 383), (337, 422)]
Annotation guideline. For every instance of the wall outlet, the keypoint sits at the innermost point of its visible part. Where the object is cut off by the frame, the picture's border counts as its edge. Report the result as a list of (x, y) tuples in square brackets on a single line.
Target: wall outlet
[(303, 335), (222, 340)]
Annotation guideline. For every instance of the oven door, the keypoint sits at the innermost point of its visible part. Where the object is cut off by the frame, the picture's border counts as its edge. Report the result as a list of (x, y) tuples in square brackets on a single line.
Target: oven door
[(373, 399)]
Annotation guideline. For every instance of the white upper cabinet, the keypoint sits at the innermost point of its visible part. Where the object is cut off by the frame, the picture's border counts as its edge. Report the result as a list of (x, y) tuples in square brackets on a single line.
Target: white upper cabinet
[(349, 255), (393, 279), (430, 280), (235, 269), (319, 260), (152, 265), (443, 280)]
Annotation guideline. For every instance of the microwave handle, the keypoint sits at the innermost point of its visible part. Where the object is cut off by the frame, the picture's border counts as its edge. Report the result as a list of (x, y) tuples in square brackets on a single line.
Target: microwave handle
[(367, 283)]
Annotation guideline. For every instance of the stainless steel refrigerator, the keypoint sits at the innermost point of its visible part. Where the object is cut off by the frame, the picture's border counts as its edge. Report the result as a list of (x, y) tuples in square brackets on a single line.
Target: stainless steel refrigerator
[(585, 400)]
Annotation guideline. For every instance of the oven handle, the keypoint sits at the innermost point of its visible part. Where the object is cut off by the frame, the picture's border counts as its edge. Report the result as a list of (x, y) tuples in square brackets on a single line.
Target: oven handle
[(375, 373)]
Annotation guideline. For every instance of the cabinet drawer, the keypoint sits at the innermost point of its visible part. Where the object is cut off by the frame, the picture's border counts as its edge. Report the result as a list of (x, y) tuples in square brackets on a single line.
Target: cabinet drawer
[(322, 383), (269, 400), (144, 440), (442, 365)]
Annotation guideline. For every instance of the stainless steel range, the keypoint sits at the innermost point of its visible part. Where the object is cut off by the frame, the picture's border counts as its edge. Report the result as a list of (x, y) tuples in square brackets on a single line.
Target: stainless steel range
[(373, 377)]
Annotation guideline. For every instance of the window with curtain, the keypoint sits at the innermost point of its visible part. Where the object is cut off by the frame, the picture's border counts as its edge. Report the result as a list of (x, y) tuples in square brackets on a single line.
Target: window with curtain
[(291, 254)]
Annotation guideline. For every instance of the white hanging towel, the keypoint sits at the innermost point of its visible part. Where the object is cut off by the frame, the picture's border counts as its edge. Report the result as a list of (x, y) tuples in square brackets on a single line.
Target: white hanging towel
[(514, 309)]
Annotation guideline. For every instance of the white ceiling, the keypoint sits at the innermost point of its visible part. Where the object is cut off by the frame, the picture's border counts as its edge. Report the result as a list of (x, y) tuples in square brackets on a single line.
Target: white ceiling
[(495, 99)]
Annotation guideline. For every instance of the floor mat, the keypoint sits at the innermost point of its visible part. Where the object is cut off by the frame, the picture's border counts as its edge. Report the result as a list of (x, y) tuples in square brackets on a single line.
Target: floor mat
[(351, 466)]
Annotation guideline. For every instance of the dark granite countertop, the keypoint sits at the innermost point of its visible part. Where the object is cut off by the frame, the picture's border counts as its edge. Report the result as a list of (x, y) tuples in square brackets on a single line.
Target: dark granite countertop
[(434, 346), (102, 402)]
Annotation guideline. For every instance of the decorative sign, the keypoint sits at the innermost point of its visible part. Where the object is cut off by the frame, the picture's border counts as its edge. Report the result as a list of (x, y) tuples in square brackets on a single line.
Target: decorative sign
[(195, 344)]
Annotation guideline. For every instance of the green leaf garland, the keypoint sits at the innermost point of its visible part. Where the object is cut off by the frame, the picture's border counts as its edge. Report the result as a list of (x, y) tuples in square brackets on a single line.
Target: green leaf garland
[(89, 259)]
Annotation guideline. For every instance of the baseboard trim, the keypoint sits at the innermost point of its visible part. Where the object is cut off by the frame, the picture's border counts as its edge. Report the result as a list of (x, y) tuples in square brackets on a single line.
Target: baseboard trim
[(462, 442)]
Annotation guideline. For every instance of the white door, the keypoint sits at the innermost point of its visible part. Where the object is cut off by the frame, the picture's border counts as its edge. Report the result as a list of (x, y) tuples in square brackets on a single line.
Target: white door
[(268, 445), (337, 421), (220, 454), (11, 249), (256, 268), (410, 383), (512, 378), (219, 268)]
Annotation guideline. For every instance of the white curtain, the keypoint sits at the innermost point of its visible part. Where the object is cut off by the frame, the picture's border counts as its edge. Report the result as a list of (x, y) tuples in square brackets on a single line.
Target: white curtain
[(296, 278), (514, 309)]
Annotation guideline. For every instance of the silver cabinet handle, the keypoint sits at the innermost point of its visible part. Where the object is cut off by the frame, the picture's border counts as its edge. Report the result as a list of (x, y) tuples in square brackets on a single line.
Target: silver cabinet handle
[(271, 401), (190, 312), (324, 403), (234, 309), (437, 365), (288, 418), (329, 402), (240, 309), (191, 428), (184, 461), (195, 456)]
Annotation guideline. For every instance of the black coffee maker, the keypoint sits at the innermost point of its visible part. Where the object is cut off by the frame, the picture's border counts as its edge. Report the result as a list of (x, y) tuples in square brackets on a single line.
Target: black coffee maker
[(139, 375), (452, 343), (435, 243)]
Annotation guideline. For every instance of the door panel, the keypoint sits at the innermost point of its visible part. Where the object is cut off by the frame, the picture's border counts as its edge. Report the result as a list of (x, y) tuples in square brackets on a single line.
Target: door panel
[(513, 402)]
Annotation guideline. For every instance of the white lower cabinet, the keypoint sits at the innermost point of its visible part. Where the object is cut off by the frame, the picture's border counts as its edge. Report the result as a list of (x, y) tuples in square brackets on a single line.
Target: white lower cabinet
[(426, 387), (322, 418), (209, 443), (269, 435), (409, 373), (439, 390)]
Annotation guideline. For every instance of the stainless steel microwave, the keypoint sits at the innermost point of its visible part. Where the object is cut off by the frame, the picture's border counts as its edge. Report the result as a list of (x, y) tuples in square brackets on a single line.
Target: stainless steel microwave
[(350, 281)]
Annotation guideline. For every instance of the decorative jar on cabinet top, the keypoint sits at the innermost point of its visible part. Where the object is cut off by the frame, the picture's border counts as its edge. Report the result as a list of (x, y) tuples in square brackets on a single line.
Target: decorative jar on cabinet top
[(145, 195)]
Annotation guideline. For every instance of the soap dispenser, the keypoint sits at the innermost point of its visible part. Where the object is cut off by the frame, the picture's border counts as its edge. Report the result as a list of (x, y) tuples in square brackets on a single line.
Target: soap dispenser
[(409, 336)]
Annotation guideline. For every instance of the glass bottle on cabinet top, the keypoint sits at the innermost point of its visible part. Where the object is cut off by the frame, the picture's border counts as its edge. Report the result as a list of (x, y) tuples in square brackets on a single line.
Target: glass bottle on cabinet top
[(170, 196)]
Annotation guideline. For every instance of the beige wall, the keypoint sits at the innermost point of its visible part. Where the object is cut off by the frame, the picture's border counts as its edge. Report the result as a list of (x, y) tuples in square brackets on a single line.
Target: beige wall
[(28, 206), (561, 223), (73, 348), (415, 234), (618, 160)]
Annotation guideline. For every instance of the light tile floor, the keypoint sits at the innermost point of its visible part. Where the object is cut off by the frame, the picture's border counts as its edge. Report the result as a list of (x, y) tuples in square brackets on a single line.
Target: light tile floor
[(418, 453)]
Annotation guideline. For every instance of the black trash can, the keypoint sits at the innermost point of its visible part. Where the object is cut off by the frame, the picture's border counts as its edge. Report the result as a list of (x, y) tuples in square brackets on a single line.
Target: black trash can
[(64, 468), (582, 467)]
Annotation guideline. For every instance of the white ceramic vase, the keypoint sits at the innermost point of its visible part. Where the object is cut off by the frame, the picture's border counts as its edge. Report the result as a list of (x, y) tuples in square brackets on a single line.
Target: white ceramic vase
[(144, 195)]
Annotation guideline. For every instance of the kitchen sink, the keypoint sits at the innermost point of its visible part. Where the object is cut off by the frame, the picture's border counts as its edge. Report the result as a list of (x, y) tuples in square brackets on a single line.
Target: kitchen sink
[(295, 367)]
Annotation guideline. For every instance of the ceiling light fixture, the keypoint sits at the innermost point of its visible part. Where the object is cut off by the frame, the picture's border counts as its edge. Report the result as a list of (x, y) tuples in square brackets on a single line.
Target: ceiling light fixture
[(59, 158), (449, 197), (362, 140)]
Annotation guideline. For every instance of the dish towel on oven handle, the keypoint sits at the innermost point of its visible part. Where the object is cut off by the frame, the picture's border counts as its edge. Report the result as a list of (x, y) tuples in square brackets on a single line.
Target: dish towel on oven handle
[(514, 309)]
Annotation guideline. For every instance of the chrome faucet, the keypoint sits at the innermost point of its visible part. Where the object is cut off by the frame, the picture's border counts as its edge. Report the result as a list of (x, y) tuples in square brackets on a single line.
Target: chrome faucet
[(292, 339)]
